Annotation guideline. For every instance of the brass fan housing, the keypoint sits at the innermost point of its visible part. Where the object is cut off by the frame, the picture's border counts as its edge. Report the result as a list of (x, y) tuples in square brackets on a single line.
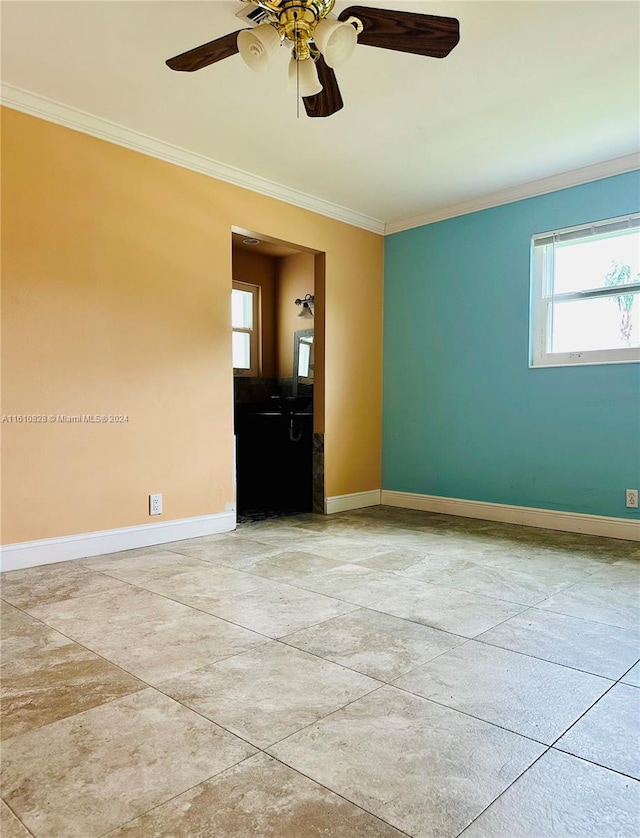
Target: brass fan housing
[(296, 20)]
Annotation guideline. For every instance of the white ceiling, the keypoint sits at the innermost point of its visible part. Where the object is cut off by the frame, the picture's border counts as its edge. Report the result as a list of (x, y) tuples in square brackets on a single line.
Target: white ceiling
[(533, 89)]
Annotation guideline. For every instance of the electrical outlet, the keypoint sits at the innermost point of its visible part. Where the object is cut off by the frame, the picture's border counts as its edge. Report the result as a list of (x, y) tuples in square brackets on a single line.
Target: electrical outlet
[(155, 504), (632, 498)]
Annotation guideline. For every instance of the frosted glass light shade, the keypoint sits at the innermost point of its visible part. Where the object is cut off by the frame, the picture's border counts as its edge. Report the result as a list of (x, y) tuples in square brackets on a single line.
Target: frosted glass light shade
[(309, 81), (305, 311), (335, 40), (256, 45)]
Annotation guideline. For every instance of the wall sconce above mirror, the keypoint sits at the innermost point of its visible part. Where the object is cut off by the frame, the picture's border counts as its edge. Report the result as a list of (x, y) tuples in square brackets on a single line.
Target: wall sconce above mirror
[(307, 304)]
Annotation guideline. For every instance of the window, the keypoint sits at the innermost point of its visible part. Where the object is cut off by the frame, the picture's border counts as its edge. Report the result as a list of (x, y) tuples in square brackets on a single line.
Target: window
[(585, 294), (245, 319)]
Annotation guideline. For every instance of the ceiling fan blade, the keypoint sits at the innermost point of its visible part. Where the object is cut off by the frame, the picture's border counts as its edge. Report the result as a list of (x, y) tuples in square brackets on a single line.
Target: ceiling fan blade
[(202, 56), (329, 100), (406, 31)]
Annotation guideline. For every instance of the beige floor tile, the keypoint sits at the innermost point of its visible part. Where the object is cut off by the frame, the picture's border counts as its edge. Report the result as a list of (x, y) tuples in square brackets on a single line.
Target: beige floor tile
[(363, 590), (292, 567), (610, 596), (21, 635), (341, 548), (629, 561), (375, 644), (593, 647), (423, 768), (201, 541), (395, 561), (260, 798), (46, 677), (563, 797), (153, 549), (458, 612), (349, 582), (525, 587), (145, 565), (385, 535), (527, 695), (204, 586), (429, 541), (632, 676), (236, 552), (283, 535), (150, 636), (101, 768), (41, 688), (608, 734), (268, 693), (279, 609), (36, 586), (540, 558), (623, 572), (323, 525), (10, 826)]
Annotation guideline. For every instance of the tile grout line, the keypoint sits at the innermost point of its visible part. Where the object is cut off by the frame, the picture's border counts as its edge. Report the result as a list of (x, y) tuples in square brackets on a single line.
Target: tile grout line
[(520, 776), (17, 817), (469, 715), (259, 751), (368, 675), (504, 791), (580, 717), (593, 762), (173, 797), (150, 620), (626, 683), (544, 660), (265, 751)]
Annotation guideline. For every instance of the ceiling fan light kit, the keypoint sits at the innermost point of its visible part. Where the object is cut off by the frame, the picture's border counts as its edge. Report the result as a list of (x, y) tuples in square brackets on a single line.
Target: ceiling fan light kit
[(303, 76), (257, 45), (319, 44), (335, 40)]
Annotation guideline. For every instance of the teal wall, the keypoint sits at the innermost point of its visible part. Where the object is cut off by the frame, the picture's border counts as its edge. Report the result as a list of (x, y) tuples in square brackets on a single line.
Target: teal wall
[(464, 416)]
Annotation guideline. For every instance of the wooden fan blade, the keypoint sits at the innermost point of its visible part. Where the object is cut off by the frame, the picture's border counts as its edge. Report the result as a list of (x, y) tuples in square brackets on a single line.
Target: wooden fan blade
[(329, 100), (202, 56), (406, 31)]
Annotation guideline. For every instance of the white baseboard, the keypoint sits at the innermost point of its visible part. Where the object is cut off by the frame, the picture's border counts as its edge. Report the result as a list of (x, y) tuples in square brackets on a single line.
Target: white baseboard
[(357, 500), (49, 550), (550, 519)]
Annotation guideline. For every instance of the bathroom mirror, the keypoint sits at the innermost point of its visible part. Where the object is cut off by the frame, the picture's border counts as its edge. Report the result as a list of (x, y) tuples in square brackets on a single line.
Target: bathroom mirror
[(303, 359)]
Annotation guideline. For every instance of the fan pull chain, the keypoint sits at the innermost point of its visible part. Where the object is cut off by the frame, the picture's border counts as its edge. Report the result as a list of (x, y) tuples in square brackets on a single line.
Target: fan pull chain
[(295, 15)]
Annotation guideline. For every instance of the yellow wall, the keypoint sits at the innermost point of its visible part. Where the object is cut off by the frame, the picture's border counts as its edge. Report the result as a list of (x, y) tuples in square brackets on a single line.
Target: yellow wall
[(116, 284), (295, 281), (260, 269)]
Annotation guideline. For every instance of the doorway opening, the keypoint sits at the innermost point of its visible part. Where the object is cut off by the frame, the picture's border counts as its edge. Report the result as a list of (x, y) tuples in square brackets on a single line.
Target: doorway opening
[(278, 353)]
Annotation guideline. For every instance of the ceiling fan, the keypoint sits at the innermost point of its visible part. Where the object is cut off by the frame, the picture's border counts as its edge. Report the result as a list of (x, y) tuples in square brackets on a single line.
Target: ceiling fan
[(319, 43)]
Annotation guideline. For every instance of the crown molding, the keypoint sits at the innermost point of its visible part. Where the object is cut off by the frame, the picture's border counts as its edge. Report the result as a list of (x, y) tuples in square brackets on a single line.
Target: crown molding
[(86, 123), (576, 177)]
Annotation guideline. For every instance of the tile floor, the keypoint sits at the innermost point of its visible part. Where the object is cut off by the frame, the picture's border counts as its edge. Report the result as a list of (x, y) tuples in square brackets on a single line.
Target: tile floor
[(371, 674)]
